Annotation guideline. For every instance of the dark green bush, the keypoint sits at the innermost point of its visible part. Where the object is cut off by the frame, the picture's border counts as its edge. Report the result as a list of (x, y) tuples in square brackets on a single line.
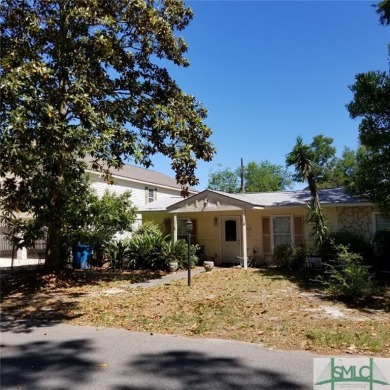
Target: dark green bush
[(356, 243), (178, 252), (146, 250), (119, 253), (382, 244), (291, 257), (149, 248), (347, 278), (148, 227)]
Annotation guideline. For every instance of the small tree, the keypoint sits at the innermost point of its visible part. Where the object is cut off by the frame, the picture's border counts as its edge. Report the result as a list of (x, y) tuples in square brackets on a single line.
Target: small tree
[(302, 158), (97, 220)]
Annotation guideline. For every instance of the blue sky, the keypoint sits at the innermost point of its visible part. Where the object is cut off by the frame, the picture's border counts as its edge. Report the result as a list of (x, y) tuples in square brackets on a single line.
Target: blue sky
[(268, 71)]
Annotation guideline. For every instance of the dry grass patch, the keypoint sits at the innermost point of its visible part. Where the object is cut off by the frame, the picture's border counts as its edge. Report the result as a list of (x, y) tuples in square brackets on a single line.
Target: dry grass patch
[(254, 306)]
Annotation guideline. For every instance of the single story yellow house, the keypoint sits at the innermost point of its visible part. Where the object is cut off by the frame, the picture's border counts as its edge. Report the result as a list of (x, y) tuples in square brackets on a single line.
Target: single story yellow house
[(231, 226)]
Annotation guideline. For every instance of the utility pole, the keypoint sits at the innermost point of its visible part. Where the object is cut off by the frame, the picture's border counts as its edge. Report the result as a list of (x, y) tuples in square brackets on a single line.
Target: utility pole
[(242, 176)]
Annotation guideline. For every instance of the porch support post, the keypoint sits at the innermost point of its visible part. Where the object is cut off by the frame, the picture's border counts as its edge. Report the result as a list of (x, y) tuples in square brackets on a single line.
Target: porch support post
[(174, 227), (244, 242), (21, 254)]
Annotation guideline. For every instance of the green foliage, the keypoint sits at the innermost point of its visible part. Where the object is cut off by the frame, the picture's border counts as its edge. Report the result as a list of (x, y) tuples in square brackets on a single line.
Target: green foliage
[(90, 79), (97, 221), (146, 250), (148, 227), (302, 158), (290, 257), (119, 253), (348, 279), (371, 104), (316, 219), (178, 252), (266, 177), (382, 243), (356, 243), (328, 170), (258, 177), (224, 180), (345, 168)]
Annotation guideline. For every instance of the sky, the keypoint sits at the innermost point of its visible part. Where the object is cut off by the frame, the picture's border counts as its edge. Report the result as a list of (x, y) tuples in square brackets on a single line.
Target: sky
[(269, 71)]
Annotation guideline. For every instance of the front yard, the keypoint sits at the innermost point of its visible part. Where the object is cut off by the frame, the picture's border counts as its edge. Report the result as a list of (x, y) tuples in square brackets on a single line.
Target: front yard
[(257, 306)]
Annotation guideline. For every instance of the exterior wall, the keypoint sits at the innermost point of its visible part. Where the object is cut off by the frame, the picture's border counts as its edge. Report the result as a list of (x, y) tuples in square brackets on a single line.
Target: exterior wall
[(355, 220), (209, 229), (138, 192)]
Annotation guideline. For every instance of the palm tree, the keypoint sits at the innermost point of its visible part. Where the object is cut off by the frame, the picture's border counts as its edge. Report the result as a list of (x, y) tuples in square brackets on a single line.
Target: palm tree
[(301, 158)]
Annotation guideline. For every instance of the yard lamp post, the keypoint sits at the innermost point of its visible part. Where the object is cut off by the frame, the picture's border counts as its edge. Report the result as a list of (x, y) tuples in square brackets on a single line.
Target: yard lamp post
[(189, 227)]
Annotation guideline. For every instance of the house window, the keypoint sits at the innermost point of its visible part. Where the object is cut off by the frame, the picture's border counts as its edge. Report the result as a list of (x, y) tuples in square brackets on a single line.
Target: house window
[(282, 231), (381, 222), (150, 194)]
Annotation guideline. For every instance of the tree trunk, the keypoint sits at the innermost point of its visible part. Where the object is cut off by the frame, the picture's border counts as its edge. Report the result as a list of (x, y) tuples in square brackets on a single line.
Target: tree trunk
[(52, 262)]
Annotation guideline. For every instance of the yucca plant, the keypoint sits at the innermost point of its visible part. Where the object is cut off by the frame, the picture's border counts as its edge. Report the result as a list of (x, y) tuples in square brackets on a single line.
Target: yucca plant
[(145, 250), (119, 253)]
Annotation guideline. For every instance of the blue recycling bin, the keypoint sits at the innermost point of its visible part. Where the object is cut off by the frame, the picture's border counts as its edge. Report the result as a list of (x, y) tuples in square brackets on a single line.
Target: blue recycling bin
[(81, 256)]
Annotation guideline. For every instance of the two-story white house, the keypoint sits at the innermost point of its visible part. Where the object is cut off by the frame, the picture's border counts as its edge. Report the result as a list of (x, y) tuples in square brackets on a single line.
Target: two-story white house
[(146, 186)]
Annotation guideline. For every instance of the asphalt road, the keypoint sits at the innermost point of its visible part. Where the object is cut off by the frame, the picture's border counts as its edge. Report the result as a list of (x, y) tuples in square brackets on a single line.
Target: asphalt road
[(63, 357)]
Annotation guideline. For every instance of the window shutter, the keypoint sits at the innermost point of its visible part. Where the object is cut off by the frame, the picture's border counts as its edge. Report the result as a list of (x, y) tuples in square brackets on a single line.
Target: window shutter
[(155, 194), (146, 195), (299, 231), (266, 235)]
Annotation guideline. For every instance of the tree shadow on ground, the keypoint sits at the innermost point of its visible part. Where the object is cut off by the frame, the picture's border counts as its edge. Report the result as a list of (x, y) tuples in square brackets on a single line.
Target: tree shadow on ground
[(195, 370), (29, 282), (20, 318), (306, 281), (31, 365), (35, 298)]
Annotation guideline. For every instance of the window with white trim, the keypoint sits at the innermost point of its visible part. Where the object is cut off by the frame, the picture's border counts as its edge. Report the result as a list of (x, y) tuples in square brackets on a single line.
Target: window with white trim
[(282, 230), (381, 222), (150, 194)]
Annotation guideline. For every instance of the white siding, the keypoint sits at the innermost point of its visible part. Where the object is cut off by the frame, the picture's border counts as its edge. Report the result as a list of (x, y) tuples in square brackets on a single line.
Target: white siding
[(138, 191)]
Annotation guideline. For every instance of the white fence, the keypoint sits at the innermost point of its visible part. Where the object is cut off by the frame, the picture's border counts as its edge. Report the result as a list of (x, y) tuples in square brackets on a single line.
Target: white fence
[(6, 245)]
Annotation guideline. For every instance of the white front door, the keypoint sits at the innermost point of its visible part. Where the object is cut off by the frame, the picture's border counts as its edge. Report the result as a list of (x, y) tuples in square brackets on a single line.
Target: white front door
[(230, 240)]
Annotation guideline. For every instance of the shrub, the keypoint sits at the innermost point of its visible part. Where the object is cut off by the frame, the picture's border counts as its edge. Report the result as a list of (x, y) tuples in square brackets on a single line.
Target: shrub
[(178, 251), (119, 253), (347, 278), (145, 250), (148, 227), (356, 243), (291, 257), (382, 243)]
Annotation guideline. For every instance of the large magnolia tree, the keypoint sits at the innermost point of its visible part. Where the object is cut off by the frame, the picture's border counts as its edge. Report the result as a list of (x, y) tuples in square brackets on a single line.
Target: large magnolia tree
[(86, 78)]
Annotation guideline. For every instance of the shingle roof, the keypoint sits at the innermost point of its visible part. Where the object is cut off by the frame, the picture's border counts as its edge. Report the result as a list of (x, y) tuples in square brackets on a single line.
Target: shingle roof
[(144, 175), (265, 199), (286, 198)]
